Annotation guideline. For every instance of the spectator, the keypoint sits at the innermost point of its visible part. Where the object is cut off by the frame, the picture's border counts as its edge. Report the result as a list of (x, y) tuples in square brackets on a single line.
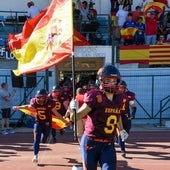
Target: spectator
[(167, 31), (129, 23), (161, 40), (33, 10), (151, 27), (76, 17), (165, 2), (140, 33), (137, 13), (121, 16), (160, 30), (114, 5), (6, 102), (83, 7)]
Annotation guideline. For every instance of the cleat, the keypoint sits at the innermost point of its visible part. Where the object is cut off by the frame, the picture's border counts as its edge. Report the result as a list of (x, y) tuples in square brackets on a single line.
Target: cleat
[(35, 159), (10, 131), (54, 140), (123, 153), (4, 132)]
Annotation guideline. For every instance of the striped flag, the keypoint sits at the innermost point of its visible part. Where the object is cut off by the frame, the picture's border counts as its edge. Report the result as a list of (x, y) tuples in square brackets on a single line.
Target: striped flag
[(134, 54), (46, 40)]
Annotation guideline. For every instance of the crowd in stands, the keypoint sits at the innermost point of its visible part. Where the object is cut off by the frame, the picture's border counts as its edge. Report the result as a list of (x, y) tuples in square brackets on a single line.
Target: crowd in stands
[(140, 27)]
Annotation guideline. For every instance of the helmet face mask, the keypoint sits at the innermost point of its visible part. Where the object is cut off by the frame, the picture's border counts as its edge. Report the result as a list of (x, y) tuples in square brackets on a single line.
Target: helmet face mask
[(41, 96), (109, 79), (109, 84)]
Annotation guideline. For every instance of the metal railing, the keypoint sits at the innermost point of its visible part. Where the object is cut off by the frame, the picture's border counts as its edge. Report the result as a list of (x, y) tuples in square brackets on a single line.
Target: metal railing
[(164, 105)]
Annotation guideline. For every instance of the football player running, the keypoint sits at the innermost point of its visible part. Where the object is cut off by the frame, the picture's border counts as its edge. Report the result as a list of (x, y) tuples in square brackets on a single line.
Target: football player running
[(44, 108), (128, 113), (103, 108)]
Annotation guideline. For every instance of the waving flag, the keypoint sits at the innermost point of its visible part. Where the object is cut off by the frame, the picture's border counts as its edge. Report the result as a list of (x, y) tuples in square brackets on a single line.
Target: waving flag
[(46, 40), (56, 122), (128, 33), (79, 39), (157, 6)]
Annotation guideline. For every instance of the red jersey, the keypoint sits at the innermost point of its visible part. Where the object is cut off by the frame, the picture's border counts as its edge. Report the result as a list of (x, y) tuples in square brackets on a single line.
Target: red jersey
[(59, 104), (44, 112), (102, 120)]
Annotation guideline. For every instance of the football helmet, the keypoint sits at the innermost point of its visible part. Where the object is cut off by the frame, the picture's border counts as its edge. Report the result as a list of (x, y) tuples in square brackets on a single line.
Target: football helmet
[(56, 90), (109, 78), (122, 86), (41, 96), (91, 85)]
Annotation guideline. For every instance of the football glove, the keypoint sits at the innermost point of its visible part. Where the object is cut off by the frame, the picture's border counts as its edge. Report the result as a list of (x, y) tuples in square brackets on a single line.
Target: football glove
[(74, 105), (124, 135)]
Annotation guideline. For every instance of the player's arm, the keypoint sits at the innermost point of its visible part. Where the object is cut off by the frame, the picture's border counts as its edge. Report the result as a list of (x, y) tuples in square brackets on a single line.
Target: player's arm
[(81, 112), (59, 115), (27, 106), (133, 108), (119, 124)]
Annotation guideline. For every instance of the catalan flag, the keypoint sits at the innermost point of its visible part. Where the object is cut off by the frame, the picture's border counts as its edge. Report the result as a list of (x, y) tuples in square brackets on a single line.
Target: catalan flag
[(46, 40), (157, 6)]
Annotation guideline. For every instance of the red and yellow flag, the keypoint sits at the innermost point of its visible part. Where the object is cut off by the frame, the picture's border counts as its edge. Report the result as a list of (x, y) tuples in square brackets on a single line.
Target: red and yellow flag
[(128, 33), (56, 122), (79, 39), (157, 6), (46, 40)]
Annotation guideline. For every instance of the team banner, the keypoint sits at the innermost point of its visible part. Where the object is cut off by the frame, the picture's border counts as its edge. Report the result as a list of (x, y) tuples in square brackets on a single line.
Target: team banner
[(46, 40), (157, 6)]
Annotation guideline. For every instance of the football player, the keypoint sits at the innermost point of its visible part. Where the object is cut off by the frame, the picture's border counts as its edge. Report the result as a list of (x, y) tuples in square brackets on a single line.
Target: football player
[(103, 109), (44, 107), (127, 114)]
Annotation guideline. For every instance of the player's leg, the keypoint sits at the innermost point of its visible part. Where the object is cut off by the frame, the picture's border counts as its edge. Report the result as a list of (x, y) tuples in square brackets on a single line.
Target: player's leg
[(37, 139), (53, 132), (108, 156), (89, 153), (46, 133)]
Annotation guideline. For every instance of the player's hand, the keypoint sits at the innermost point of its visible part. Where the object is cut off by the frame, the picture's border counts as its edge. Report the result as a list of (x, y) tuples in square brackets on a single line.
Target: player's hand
[(124, 135), (15, 107), (74, 105)]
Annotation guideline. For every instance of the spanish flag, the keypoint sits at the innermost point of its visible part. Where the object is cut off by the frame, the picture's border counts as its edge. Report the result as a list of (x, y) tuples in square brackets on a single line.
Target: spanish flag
[(157, 6), (46, 40), (56, 122), (79, 39), (128, 33)]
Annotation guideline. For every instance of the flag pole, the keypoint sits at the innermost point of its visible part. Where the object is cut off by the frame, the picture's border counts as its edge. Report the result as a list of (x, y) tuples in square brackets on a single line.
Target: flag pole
[(74, 96)]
